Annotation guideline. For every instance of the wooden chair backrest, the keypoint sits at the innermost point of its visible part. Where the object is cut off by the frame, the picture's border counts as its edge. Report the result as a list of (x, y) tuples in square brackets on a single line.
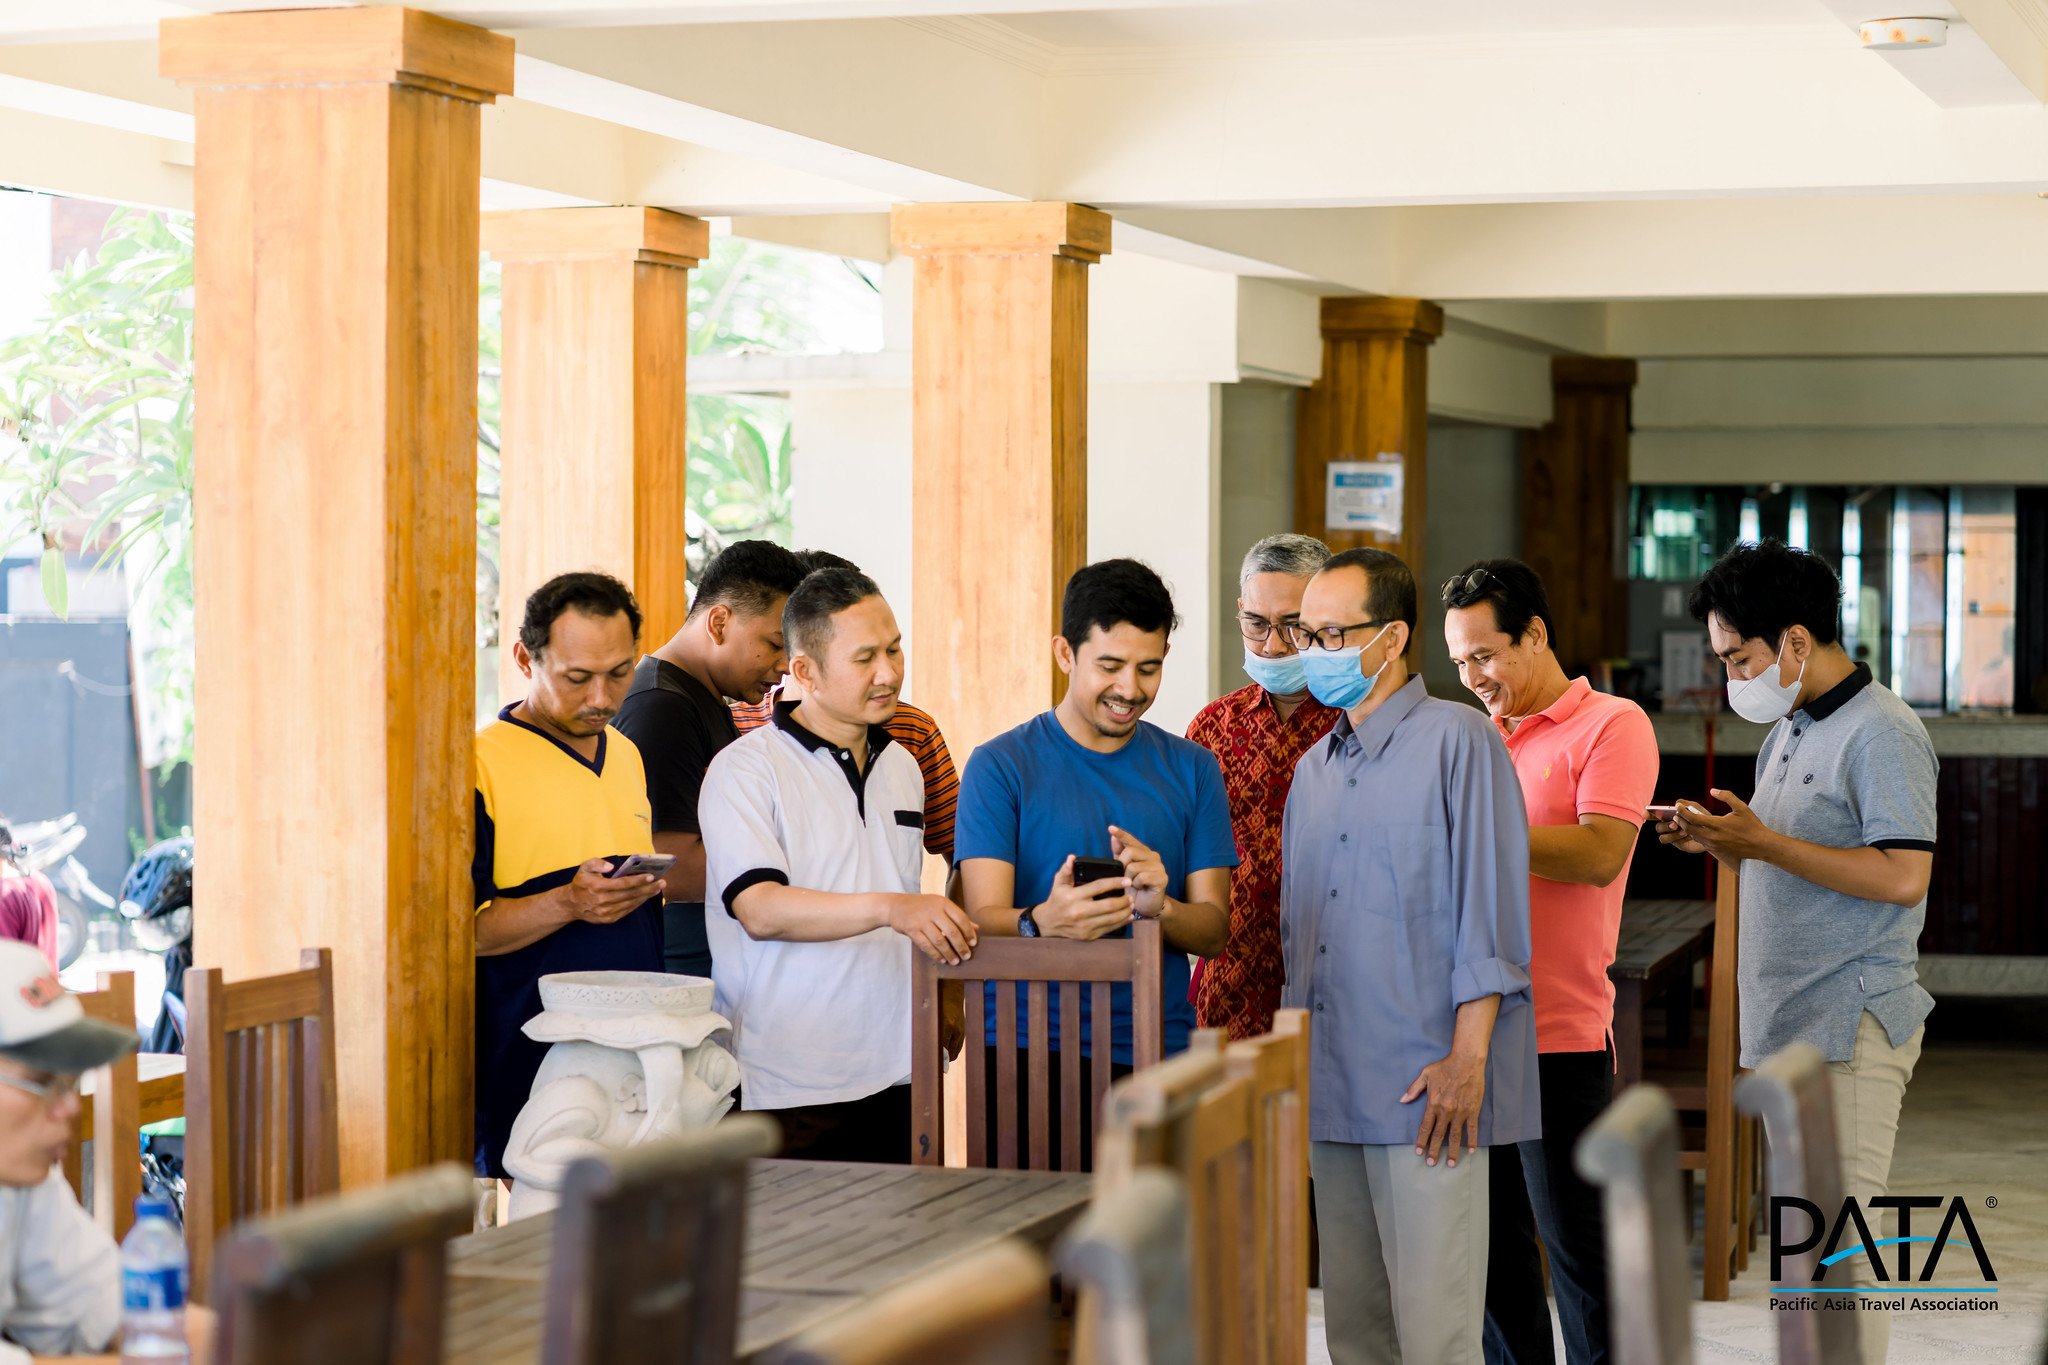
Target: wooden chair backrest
[(116, 1117), (261, 1122), (990, 1307), (1191, 1117), (648, 1247), (358, 1278), (1276, 1066), (1791, 1093), (1725, 1210), (1631, 1153), (1129, 1257), (1038, 964)]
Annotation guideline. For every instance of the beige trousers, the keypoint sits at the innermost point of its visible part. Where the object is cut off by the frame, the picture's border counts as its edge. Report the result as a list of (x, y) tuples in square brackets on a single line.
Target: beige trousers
[(1869, 1088), (1403, 1254)]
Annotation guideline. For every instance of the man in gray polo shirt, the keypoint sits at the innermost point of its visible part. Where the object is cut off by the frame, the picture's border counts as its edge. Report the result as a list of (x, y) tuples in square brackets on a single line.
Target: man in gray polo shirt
[(1834, 850)]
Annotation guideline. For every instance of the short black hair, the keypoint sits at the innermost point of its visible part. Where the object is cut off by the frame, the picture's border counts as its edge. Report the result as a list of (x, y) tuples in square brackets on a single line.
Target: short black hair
[(1761, 590), (1112, 592), (1389, 584), (807, 616), (594, 594), (749, 576), (814, 560), (1511, 588)]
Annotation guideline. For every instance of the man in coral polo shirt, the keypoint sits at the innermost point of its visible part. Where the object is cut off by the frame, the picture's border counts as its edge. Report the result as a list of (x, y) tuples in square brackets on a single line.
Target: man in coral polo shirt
[(1588, 767)]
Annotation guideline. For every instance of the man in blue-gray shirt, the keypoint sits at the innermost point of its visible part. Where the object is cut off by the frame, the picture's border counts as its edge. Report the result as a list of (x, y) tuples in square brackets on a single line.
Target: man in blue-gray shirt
[(1405, 923), (1834, 850)]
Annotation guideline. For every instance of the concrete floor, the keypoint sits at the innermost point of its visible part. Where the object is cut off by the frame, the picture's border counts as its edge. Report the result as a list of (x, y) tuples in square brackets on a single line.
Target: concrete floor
[(1975, 1124)]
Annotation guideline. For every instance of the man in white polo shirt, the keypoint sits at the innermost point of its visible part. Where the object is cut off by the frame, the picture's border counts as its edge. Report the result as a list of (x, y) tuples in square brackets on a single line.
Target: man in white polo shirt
[(813, 831)]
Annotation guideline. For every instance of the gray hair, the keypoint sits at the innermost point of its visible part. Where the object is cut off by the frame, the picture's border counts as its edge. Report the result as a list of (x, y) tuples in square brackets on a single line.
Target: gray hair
[(1295, 556)]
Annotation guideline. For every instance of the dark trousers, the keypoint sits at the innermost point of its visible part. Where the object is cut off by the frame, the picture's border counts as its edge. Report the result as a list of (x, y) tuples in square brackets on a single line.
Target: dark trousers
[(874, 1128), (1542, 1192), (1117, 1071), (684, 948)]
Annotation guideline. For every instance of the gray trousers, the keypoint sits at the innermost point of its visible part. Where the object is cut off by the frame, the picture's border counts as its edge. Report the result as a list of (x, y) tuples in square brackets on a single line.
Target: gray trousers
[(1403, 1254)]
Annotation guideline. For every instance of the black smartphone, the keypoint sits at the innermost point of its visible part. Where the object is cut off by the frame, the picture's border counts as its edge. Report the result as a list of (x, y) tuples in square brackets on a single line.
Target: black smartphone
[(1088, 870), (644, 864)]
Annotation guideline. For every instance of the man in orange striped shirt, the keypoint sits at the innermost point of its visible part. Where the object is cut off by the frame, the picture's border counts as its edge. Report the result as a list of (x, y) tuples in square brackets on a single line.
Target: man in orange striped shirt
[(910, 727)]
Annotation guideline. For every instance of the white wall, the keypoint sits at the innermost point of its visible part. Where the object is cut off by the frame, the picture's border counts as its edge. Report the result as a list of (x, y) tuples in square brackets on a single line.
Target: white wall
[(1258, 501), (1475, 512), (852, 484), (24, 259)]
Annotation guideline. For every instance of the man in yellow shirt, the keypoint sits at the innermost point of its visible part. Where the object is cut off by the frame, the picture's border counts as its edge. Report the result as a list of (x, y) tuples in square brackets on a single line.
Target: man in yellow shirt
[(561, 800)]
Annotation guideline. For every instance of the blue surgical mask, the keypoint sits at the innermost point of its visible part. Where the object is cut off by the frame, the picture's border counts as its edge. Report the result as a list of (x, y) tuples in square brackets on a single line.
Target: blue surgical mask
[(1283, 677), (1334, 677)]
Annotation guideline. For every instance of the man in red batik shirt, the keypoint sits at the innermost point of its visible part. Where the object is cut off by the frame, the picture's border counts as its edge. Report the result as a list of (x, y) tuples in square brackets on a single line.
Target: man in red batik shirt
[(1257, 733)]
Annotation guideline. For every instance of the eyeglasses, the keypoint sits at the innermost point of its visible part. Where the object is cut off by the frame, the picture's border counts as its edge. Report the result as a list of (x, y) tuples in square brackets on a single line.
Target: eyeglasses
[(1258, 629), (52, 1090), (1465, 586), (1329, 637)]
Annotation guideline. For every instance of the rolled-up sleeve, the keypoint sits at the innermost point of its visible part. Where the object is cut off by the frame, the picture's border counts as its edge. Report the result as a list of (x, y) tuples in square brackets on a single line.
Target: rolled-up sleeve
[(1489, 870)]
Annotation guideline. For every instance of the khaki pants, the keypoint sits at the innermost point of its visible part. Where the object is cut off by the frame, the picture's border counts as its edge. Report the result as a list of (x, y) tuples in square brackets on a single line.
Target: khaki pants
[(1868, 1091), (1403, 1254)]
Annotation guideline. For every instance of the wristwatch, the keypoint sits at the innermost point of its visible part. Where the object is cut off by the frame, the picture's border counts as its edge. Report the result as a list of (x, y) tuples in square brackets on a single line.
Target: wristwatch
[(1027, 927)]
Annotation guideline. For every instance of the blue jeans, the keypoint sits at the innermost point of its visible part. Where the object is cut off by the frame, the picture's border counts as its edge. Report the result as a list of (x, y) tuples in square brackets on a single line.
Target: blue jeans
[(1542, 1191)]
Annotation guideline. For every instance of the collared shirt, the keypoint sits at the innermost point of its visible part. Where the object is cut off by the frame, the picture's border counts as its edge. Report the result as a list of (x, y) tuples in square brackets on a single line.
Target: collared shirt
[(1852, 769), (60, 1276), (1239, 988), (679, 725), (1587, 753), (542, 811), (1405, 894), (918, 733), (812, 1023)]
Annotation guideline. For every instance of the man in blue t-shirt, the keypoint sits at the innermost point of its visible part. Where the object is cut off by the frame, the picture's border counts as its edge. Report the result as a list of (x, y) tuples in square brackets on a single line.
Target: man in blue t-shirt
[(1090, 779)]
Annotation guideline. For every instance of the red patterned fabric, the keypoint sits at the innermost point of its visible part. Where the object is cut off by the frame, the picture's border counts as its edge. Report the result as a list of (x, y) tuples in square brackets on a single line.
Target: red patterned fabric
[(1239, 990)]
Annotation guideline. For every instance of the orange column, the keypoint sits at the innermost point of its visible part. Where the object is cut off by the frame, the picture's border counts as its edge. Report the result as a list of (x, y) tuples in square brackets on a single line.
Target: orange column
[(593, 445), (1575, 507), (999, 505), (335, 193), (1362, 430)]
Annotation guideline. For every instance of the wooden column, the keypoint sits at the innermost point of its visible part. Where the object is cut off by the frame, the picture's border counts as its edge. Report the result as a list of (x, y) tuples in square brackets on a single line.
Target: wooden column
[(593, 452), (999, 505), (1575, 507), (1371, 406), (335, 195)]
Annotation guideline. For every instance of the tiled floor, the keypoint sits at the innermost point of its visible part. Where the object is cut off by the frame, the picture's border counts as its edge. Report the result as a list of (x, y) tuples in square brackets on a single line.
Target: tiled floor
[(1975, 1124)]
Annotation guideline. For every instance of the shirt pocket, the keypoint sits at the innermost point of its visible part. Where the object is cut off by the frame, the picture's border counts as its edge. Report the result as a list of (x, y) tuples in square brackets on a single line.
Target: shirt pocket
[(1406, 871), (906, 841)]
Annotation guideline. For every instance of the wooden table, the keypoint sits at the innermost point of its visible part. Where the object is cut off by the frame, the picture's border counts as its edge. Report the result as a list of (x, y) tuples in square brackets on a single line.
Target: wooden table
[(161, 1076), (820, 1234), (1660, 941)]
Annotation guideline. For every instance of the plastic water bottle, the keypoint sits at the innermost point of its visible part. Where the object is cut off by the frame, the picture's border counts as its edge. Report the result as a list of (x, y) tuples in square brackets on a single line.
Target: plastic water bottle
[(153, 1271)]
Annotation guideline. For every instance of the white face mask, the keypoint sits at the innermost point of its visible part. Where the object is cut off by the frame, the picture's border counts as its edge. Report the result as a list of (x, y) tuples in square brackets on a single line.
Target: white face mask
[(1763, 699)]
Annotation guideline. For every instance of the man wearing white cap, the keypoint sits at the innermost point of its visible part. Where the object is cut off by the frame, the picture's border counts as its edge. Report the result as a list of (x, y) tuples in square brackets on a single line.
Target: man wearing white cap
[(60, 1276)]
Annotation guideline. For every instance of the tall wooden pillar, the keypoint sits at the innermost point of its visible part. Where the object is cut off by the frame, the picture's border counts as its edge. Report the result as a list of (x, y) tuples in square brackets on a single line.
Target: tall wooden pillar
[(1575, 507), (593, 448), (1368, 415), (335, 193), (999, 504)]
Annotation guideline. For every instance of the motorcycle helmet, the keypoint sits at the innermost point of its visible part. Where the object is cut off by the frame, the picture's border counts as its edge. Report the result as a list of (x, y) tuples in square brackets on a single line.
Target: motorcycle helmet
[(156, 895)]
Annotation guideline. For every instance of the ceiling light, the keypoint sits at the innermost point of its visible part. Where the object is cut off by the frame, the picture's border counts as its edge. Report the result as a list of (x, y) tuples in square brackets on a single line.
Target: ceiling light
[(1894, 35)]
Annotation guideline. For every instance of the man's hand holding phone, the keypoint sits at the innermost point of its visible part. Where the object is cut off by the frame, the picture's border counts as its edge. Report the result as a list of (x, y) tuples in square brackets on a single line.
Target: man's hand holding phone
[(1671, 825), (1098, 906), (595, 896)]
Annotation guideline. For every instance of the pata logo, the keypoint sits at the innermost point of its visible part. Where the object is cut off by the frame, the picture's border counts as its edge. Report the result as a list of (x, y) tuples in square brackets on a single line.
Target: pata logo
[(1850, 1236)]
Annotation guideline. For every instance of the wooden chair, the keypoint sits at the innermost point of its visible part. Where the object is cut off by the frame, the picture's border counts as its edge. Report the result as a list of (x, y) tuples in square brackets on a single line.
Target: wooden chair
[(648, 1248), (357, 1278), (1631, 1152), (1790, 1092), (260, 1132), (1725, 1153), (1189, 1116), (991, 1307), (1276, 1067), (116, 1102), (1128, 1257), (1037, 963)]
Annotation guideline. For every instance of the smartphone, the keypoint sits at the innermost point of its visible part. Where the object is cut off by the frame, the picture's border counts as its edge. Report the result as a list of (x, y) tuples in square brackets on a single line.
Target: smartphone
[(1088, 870), (1662, 813), (644, 865)]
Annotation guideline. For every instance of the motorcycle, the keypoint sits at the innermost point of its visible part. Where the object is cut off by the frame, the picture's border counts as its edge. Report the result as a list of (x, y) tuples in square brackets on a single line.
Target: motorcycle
[(51, 848)]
